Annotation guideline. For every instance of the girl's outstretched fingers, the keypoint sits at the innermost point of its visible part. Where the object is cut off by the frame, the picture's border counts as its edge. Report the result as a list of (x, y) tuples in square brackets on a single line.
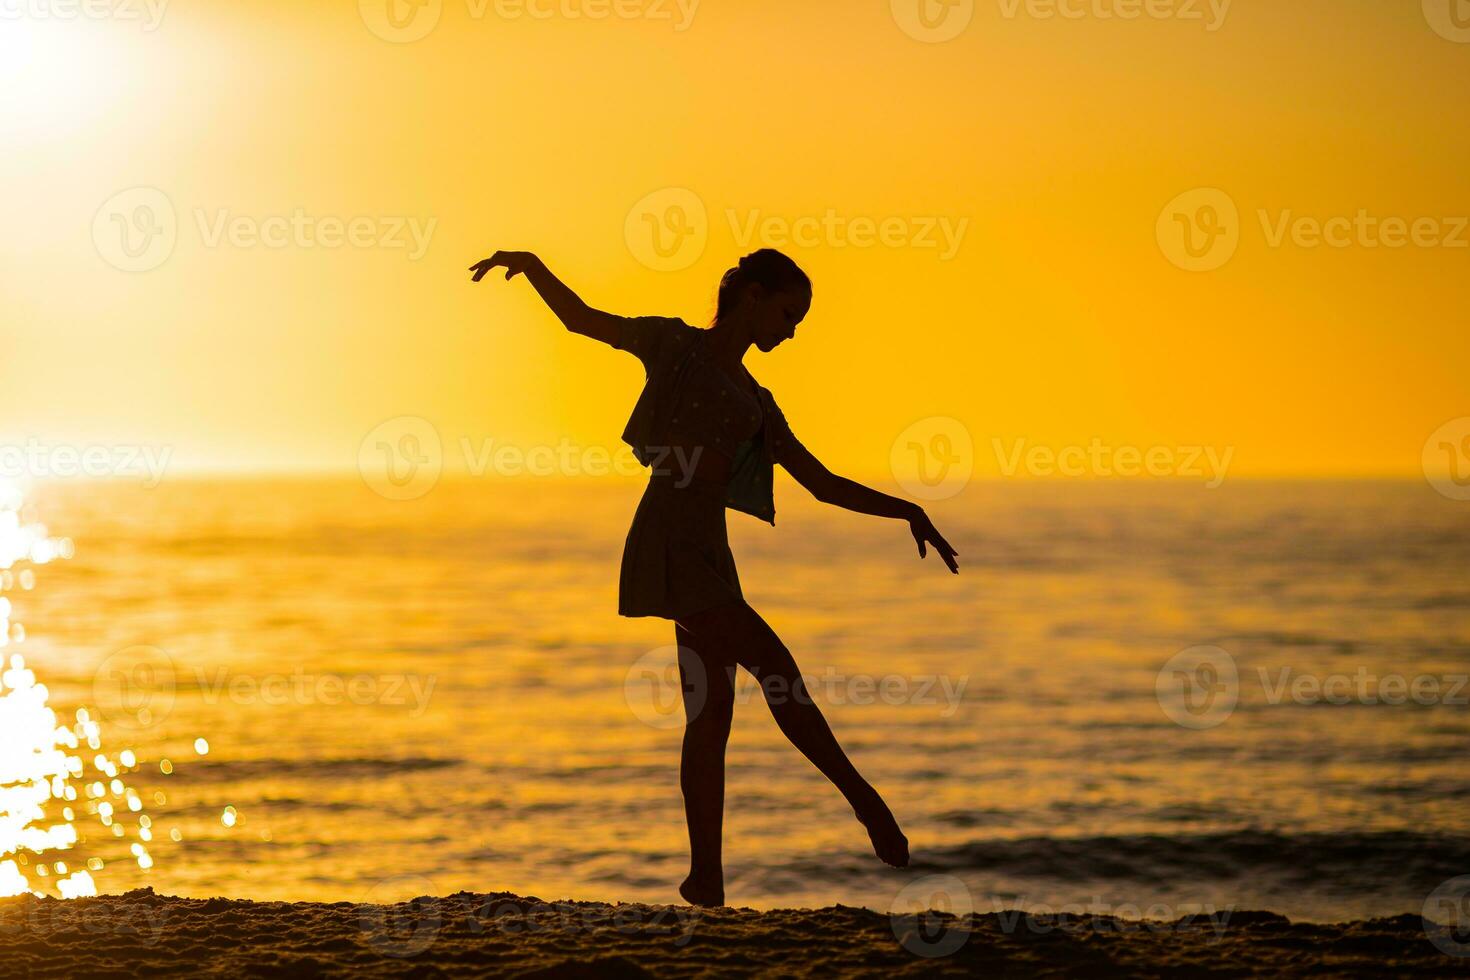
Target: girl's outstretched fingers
[(925, 534), (515, 264)]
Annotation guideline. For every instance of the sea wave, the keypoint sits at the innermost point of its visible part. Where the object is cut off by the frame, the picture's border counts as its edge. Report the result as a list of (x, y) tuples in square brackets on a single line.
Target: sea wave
[(1415, 862)]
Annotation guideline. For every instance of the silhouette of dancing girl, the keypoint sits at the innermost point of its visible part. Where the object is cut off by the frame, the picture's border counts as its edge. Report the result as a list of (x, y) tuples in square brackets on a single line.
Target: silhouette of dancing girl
[(710, 435)]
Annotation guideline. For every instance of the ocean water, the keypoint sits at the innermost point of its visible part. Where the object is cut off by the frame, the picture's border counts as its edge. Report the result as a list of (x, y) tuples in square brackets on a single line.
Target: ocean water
[(402, 698)]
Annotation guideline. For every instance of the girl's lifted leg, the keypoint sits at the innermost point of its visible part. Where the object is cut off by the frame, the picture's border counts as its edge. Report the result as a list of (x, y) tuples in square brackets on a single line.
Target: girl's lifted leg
[(736, 632)]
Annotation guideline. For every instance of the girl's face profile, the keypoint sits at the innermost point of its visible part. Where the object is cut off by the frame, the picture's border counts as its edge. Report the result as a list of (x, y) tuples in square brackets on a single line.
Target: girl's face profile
[(776, 313)]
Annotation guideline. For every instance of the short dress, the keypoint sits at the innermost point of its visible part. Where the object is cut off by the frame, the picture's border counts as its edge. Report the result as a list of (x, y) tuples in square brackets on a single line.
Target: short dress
[(677, 560)]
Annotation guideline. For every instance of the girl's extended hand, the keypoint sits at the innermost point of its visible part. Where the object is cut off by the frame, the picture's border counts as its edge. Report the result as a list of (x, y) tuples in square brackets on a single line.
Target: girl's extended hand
[(925, 534), (515, 263)]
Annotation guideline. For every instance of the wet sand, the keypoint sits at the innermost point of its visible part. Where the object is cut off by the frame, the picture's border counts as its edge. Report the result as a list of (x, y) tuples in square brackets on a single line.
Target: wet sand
[(140, 933)]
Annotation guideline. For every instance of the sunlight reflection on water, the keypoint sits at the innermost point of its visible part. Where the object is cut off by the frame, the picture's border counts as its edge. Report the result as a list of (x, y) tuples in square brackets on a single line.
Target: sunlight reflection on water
[(55, 780)]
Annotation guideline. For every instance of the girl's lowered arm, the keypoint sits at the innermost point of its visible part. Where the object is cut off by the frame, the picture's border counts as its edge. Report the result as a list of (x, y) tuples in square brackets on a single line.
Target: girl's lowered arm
[(839, 491)]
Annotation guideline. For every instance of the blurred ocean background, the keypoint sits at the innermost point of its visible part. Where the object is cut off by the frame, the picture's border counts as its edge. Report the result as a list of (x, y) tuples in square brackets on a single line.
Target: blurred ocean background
[(402, 698)]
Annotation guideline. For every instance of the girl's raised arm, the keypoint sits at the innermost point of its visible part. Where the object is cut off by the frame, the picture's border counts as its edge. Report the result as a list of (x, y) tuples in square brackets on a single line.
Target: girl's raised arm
[(567, 305)]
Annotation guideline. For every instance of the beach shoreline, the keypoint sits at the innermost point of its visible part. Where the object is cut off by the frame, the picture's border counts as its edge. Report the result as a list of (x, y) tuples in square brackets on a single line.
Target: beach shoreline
[(504, 934)]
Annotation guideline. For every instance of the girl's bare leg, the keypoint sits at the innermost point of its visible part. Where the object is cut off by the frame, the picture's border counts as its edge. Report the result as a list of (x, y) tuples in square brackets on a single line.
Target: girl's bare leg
[(736, 633), (709, 702)]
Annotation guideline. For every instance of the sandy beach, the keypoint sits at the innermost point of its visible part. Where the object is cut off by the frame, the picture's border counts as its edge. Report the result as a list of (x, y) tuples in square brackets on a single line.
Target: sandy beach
[(141, 933)]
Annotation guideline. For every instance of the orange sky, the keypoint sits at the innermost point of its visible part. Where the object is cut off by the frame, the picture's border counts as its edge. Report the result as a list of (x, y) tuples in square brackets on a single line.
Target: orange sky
[(1046, 148)]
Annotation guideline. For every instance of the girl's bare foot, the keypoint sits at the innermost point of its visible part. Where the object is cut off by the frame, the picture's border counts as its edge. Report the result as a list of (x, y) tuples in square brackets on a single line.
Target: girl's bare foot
[(889, 843), (706, 893)]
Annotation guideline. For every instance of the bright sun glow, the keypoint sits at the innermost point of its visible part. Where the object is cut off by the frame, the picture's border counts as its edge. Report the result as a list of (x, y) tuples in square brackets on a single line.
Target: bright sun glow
[(54, 76)]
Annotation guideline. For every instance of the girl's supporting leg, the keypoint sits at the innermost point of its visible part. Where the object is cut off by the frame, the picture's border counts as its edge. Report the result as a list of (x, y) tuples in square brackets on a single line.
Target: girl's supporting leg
[(709, 702)]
